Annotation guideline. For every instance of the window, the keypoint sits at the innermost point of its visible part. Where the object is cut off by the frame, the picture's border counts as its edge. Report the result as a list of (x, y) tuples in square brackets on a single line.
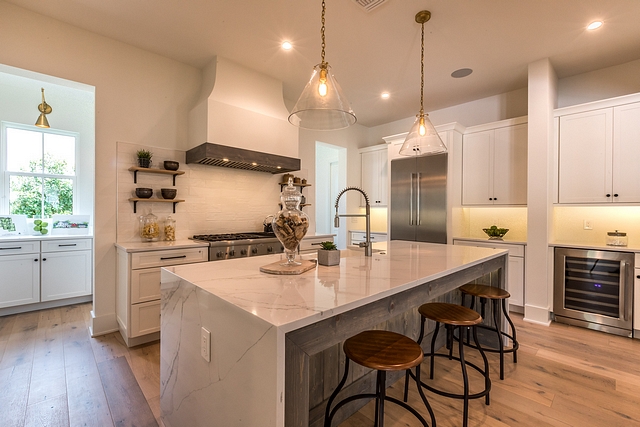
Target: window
[(40, 171)]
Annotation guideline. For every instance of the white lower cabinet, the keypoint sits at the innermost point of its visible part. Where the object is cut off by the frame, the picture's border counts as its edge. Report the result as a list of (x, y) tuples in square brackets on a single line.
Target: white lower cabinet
[(65, 275), (138, 289), (515, 280), (20, 279), (47, 270)]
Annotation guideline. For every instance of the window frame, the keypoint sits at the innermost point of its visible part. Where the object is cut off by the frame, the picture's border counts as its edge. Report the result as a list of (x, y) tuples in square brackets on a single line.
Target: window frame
[(5, 175)]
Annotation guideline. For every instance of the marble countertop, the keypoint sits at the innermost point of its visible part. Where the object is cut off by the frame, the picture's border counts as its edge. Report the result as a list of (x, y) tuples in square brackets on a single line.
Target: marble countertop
[(486, 240), (24, 237), (290, 302), (131, 247)]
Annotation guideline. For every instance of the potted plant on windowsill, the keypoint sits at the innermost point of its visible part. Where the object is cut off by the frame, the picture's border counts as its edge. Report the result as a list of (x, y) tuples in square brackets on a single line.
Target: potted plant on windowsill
[(144, 158), (329, 254)]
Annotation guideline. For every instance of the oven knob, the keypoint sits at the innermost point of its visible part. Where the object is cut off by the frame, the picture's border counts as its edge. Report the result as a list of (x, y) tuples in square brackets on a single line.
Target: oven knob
[(220, 254), (243, 252), (232, 253), (269, 249), (254, 250)]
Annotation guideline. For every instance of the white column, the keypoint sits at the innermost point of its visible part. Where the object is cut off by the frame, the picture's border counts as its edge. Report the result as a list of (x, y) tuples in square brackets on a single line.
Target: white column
[(542, 97)]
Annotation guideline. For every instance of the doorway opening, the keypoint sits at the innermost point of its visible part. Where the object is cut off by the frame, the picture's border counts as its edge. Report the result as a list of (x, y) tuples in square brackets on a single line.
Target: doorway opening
[(331, 177)]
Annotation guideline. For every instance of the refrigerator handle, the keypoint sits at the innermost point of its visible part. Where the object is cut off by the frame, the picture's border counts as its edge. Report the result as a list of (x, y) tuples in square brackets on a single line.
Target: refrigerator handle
[(625, 308), (411, 201), (418, 198)]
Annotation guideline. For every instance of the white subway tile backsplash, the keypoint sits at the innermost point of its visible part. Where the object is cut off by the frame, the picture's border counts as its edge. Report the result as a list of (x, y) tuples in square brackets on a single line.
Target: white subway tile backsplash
[(217, 200)]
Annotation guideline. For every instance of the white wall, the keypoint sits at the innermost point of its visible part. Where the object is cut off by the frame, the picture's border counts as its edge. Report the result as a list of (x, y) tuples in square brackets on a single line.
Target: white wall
[(140, 97), (600, 84)]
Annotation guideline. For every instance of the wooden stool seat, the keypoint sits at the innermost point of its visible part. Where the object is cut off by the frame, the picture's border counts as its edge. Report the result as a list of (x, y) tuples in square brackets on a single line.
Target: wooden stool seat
[(383, 351), (450, 314), (483, 291)]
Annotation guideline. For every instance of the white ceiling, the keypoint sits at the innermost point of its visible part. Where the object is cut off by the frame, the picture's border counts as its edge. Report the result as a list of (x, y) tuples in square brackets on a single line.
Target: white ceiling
[(374, 51)]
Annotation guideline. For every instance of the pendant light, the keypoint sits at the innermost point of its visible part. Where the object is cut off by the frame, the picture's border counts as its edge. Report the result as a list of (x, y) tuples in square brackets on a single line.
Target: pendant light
[(423, 139), (322, 104), (44, 109)]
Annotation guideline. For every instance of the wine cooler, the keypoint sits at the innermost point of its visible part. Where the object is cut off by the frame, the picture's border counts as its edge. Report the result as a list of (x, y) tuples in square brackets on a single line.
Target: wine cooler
[(594, 289)]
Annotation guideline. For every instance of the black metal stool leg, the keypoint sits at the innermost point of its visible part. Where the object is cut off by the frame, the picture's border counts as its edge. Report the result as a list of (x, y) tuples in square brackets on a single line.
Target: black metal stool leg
[(514, 340), (465, 382), (487, 381), (449, 330), (424, 398), (497, 322), (328, 415), (433, 350), (382, 390), (406, 376)]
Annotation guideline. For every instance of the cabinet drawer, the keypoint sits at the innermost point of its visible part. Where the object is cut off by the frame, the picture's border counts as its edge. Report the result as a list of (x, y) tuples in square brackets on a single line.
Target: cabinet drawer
[(313, 244), (12, 248), (145, 285), (66, 245), (514, 249), (145, 318), (168, 257)]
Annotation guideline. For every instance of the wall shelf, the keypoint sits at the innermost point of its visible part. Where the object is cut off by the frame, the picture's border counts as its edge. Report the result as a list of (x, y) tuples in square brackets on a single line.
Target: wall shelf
[(136, 169), (135, 201)]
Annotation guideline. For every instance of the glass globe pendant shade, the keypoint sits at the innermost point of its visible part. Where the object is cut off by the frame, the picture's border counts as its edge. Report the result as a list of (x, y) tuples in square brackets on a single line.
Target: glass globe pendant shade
[(422, 139), (322, 104)]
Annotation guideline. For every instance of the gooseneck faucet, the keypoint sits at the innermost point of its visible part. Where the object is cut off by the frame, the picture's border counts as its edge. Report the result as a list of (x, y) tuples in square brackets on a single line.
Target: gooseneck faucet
[(336, 221)]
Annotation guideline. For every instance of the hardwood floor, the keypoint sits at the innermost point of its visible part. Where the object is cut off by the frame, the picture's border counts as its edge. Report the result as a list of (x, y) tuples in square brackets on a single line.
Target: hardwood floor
[(53, 374)]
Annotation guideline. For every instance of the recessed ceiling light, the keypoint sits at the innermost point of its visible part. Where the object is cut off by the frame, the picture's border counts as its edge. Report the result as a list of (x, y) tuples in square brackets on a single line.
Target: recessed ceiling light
[(287, 45), (594, 25), (462, 72), (384, 95)]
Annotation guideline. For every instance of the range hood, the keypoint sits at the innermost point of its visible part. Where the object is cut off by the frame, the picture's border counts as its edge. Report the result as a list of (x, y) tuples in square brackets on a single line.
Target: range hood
[(241, 110), (239, 158)]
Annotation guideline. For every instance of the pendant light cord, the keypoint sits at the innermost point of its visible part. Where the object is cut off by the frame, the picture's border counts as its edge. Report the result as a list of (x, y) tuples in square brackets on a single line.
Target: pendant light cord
[(421, 74), (322, 31)]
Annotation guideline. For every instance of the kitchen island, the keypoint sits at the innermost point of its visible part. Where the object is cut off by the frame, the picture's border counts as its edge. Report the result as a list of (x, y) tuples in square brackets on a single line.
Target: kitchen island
[(265, 328)]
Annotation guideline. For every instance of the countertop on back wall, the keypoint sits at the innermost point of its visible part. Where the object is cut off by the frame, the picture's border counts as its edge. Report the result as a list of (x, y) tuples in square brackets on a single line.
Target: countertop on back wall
[(596, 246), (23, 237), (486, 240), (160, 245)]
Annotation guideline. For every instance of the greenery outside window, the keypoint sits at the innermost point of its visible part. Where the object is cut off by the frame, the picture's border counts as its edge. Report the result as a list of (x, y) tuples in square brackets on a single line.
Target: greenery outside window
[(40, 170)]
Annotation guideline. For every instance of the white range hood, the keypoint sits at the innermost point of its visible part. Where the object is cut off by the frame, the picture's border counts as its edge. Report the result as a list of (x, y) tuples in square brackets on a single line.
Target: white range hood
[(242, 109)]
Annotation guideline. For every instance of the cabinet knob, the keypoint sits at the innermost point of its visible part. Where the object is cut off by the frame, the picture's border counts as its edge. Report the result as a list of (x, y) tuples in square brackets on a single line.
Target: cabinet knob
[(608, 195), (490, 198), (44, 259), (36, 259), (638, 276), (615, 195)]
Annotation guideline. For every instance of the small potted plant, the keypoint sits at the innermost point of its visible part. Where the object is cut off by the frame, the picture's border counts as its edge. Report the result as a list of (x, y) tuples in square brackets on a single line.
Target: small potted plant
[(144, 158), (329, 254)]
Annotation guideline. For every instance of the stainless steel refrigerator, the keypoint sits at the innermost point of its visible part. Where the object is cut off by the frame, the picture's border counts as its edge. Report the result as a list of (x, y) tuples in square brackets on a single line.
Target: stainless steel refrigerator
[(418, 208)]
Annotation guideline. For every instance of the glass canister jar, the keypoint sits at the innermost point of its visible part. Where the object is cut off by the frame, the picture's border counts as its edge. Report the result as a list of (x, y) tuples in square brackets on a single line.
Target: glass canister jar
[(149, 227), (169, 229), (617, 238), (290, 224)]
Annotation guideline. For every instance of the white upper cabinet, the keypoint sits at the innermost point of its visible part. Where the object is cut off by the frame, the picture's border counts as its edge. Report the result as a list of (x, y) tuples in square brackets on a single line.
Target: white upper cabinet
[(375, 175), (599, 156), (494, 165)]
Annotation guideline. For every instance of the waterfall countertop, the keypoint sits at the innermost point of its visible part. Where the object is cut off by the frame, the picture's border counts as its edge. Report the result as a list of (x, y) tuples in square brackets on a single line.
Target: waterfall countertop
[(236, 343), (290, 302)]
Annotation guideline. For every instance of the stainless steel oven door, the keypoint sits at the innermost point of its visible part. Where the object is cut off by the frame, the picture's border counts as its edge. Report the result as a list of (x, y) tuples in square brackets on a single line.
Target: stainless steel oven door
[(594, 289)]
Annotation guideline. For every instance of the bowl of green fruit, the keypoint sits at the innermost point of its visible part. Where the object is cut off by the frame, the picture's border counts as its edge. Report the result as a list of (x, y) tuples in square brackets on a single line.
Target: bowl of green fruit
[(495, 233), (40, 226)]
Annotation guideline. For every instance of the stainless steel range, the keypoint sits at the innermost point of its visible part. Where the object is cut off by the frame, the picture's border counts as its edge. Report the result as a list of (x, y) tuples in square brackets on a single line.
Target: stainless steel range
[(240, 245)]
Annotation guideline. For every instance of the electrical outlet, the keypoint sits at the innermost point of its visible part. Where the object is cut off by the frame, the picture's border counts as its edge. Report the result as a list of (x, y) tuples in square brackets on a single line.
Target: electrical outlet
[(205, 344), (588, 225)]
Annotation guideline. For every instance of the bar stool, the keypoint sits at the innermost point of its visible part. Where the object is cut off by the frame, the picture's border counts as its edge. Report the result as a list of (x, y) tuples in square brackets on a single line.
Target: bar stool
[(453, 317), (382, 351), (496, 295)]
